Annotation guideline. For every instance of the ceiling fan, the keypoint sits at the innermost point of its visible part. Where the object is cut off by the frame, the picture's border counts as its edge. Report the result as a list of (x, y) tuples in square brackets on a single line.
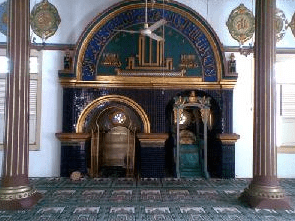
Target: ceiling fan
[(148, 31)]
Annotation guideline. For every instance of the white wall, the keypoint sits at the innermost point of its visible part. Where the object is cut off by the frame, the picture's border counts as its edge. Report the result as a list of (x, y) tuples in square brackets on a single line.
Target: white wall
[(219, 11), (243, 120), (286, 165), (243, 116), (76, 14), (46, 162), (74, 20), (285, 125)]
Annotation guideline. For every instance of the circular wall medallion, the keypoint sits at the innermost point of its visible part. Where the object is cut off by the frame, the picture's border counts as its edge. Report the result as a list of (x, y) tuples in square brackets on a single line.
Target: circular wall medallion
[(241, 24), (119, 118), (44, 19), (292, 24), (3, 18), (281, 24)]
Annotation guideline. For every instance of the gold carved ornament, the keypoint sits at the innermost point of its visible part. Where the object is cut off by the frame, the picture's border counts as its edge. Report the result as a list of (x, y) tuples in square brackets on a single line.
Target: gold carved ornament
[(292, 24), (44, 19), (241, 24), (3, 18), (281, 24)]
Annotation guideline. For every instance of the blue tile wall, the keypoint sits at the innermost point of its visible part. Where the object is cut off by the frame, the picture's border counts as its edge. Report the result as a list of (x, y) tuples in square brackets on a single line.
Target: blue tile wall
[(153, 162), (156, 104), (227, 113), (228, 161), (73, 158), (68, 111)]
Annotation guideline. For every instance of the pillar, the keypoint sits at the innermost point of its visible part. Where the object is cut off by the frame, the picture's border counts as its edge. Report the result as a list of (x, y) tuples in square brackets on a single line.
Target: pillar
[(74, 154), (15, 191), (264, 191), (226, 168), (152, 154)]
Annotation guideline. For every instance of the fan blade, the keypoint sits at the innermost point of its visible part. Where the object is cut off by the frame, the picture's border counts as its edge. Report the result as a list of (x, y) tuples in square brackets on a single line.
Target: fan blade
[(127, 31), (157, 25), (155, 37)]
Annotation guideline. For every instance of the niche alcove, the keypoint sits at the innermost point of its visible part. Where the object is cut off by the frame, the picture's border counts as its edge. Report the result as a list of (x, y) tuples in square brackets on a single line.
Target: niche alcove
[(113, 122), (114, 60)]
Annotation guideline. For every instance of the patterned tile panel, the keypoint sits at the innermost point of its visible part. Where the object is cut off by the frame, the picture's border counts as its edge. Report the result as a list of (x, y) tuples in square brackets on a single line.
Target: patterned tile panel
[(136, 200)]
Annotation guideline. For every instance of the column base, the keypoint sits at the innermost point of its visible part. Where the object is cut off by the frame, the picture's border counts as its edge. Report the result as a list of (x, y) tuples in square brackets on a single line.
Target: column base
[(265, 197), (18, 198)]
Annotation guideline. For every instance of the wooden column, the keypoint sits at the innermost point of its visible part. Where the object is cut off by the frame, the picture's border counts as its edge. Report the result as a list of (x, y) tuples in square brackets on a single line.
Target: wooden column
[(264, 190), (15, 191)]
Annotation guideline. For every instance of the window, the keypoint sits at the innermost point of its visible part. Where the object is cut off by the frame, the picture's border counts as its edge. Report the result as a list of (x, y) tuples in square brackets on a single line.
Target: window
[(35, 97), (286, 102)]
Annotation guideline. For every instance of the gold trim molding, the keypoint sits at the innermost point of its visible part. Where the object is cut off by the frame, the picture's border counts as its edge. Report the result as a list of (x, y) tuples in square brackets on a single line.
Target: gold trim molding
[(16, 193), (286, 149), (267, 192), (73, 137), (228, 139), (148, 82), (113, 98), (152, 139)]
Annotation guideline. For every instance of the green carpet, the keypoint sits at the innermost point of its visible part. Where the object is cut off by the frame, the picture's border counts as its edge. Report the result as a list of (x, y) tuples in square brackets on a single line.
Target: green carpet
[(146, 200)]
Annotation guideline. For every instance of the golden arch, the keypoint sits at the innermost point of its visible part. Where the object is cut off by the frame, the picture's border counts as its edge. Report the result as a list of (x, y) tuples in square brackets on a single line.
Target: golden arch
[(97, 24), (116, 98)]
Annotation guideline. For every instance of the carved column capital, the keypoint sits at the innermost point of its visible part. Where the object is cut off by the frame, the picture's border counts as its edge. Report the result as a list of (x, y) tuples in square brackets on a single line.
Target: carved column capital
[(228, 139), (152, 139)]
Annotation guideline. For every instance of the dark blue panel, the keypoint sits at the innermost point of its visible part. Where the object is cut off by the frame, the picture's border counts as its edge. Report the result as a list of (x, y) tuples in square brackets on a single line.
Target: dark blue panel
[(227, 111), (73, 158), (152, 162), (228, 161)]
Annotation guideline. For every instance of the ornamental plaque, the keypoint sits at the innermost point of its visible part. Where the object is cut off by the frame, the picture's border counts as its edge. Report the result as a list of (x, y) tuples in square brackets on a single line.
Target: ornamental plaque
[(292, 24), (3, 18), (281, 24), (241, 24), (44, 19)]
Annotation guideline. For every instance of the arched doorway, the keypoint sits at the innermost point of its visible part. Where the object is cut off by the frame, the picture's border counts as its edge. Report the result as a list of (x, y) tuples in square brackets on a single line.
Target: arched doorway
[(118, 152), (113, 124), (195, 121)]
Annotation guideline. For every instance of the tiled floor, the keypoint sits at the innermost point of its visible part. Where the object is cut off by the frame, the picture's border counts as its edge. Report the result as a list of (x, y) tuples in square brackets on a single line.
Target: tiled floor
[(146, 200)]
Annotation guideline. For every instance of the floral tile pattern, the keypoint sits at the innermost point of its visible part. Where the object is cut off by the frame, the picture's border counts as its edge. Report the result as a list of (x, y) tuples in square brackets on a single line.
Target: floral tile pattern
[(149, 199)]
